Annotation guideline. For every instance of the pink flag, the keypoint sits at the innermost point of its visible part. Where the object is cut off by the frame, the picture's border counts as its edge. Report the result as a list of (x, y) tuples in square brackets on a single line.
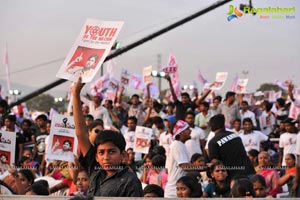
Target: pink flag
[(201, 78), (176, 83), (111, 68), (294, 111), (234, 84), (136, 82), (5, 62), (172, 66), (282, 85)]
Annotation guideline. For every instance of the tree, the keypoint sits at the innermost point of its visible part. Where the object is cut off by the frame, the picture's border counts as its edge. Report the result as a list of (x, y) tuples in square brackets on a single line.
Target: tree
[(44, 103), (270, 86)]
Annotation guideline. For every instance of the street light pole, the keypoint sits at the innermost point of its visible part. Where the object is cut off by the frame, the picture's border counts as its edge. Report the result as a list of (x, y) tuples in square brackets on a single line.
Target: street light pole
[(158, 69)]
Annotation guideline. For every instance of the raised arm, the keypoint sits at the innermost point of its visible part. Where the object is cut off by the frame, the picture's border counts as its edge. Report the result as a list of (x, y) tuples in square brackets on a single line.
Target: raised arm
[(171, 88), (203, 96), (81, 129), (290, 90)]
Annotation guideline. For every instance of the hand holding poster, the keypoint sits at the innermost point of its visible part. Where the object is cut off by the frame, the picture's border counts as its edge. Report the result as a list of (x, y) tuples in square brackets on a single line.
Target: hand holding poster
[(241, 86), (125, 77), (147, 74), (62, 139), (7, 150), (90, 49), (142, 139), (220, 80)]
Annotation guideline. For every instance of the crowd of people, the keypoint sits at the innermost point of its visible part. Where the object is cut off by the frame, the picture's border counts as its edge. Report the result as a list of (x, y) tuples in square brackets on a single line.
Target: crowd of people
[(221, 148)]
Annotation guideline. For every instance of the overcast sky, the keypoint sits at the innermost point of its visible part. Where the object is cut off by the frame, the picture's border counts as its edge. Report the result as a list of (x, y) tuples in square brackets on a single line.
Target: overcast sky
[(39, 31)]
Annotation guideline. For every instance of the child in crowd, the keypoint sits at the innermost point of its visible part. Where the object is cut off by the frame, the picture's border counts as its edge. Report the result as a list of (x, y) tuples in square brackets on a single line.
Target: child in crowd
[(157, 174), (188, 186), (259, 186), (242, 188), (108, 176), (198, 160), (153, 190), (219, 187)]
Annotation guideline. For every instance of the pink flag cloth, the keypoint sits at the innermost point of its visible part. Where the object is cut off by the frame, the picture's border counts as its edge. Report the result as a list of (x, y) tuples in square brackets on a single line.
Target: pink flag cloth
[(234, 84), (136, 81), (5, 62), (282, 85), (201, 78), (172, 66)]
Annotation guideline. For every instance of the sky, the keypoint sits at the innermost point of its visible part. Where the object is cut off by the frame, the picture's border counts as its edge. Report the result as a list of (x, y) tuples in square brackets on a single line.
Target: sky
[(262, 50)]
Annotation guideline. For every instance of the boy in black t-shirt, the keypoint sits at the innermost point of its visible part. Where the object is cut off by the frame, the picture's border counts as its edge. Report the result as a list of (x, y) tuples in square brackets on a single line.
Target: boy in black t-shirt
[(108, 176)]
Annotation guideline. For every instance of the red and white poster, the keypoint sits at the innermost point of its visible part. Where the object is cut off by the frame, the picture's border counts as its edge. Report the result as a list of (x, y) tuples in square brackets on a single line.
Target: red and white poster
[(7, 148), (125, 77), (142, 139), (147, 74), (241, 86), (270, 95), (294, 111), (220, 80), (62, 139), (90, 49)]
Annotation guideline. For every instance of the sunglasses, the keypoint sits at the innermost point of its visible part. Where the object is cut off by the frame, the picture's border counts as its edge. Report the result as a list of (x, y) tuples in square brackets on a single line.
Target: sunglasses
[(97, 131)]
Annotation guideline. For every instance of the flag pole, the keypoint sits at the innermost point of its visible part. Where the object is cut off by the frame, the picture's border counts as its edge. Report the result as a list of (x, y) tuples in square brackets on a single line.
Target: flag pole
[(6, 63)]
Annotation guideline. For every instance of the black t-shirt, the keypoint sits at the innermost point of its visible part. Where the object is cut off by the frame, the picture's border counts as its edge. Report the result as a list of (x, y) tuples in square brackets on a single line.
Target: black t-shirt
[(181, 109), (124, 183), (228, 148)]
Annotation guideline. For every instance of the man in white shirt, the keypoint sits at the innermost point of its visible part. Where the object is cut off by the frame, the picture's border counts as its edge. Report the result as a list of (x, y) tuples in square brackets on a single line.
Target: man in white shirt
[(97, 110), (179, 157), (197, 141), (251, 139), (246, 113), (287, 141), (129, 135)]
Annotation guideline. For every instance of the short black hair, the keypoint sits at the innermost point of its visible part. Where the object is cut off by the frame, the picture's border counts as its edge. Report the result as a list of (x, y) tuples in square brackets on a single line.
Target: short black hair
[(258, 178), (133, 118), (3, 103), (242, 188), (217, 122), (89, 116), (195, 156), (192, 183), (205, 104), (94, 124), (42, 117), (190, 113), (280, 101), (27, 121), (135, 95), (28, 174), (152, 188), (110, 136), (158, 161), (11, 117), (229, 94), (247, 119), (38, 189), (43, 182), (185, 94)]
